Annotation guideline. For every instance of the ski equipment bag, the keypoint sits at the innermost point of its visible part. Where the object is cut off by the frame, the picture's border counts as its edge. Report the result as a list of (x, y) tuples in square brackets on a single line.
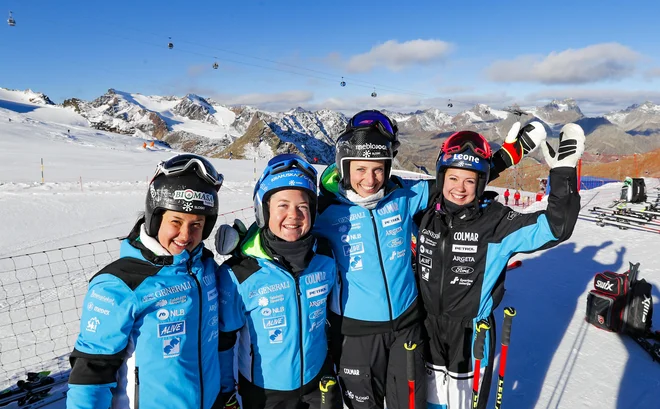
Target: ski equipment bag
[(620, 302)]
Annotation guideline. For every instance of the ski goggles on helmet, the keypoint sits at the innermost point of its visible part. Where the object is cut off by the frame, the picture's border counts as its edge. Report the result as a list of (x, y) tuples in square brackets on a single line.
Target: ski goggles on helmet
[(284, 162), (187, 163), (373, 118), (459, 141)]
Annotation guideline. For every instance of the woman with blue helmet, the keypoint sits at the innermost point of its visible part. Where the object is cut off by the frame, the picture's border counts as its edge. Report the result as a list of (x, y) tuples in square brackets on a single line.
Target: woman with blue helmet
[(275, 292)]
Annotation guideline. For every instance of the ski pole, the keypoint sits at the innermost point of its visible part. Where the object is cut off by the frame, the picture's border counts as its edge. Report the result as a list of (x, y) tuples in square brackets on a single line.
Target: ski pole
[(509, 313), (478, 351), (326, 385), (410, 369)]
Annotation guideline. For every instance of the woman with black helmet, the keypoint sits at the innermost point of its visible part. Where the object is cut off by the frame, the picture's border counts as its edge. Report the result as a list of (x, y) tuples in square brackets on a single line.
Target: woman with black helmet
[(467, 244), (367, 215), (149, 327)]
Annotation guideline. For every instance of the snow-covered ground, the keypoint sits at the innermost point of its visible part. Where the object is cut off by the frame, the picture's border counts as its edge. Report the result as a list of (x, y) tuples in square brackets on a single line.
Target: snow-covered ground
[(555, 360)]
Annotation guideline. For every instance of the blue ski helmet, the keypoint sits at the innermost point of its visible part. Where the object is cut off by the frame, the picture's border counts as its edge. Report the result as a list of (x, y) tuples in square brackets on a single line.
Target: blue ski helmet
[(286, 171)]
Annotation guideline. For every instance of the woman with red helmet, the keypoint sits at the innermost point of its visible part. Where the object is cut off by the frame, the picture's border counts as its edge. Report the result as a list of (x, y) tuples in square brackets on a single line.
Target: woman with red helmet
[(467, 244)]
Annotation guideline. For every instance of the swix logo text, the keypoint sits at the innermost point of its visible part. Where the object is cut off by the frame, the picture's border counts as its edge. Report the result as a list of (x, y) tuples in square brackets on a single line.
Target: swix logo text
[(647, 307), (604, 285)]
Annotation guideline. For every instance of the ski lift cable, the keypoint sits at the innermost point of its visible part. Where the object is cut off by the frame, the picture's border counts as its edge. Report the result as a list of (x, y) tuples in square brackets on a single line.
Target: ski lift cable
[(215, 58), (330, 76)]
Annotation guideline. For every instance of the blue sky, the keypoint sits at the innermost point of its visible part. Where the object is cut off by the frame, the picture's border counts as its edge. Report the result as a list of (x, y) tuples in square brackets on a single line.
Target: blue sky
[(282, 54)]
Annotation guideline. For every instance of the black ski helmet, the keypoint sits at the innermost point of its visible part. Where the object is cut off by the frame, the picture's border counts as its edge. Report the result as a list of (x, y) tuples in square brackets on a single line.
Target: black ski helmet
[(185, 183), (465, 150), (369, 135)]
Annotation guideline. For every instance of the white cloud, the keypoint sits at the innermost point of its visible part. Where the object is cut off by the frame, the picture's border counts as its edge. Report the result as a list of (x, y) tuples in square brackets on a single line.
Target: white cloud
[(396, 56), (599, 62), (652, 73)]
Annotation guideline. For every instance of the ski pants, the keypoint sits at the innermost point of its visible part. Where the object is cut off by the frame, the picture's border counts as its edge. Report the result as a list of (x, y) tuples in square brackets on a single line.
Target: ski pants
[(450, 365), (372, 369), (307, 397)]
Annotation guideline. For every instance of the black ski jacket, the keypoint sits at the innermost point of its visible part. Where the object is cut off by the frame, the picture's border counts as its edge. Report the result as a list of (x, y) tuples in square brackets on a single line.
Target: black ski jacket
[(462, 258)]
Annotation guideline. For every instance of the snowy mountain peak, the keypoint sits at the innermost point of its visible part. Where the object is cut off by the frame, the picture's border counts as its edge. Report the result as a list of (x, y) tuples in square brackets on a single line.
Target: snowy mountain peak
[(568, 104), (28, 95), (197, 108)]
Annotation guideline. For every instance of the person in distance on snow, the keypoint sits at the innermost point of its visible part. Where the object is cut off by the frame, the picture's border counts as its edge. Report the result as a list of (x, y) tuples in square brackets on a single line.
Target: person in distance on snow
[(149, 327), (367, 215), (467, 247), (275, 290)]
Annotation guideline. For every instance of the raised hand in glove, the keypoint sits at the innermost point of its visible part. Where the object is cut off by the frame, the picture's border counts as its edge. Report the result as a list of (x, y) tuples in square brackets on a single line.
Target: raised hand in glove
[(571, 147), (522, 141), (518, 142), (228, 237)]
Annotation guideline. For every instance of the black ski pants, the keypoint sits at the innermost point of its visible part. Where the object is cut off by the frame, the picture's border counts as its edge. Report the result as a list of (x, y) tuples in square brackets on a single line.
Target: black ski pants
[(372, 369), (307, 397), (450, 363)]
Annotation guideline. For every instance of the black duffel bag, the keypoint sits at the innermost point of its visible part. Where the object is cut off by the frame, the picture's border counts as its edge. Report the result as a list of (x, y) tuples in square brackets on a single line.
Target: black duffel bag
[(620, 302)]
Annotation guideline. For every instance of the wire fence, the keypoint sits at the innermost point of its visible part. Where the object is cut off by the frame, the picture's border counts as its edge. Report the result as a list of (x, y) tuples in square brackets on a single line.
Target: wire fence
[(41, 301)]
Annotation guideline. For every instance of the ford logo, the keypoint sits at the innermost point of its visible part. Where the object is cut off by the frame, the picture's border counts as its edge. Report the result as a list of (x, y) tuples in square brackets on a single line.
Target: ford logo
[(462, 270), (395, 242)]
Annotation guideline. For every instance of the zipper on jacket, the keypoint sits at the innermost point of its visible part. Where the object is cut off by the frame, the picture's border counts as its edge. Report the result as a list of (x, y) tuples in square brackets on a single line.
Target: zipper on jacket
[(443, 245), (252, 363), (136, 392), (382, 269), (300, 331), (199, 335)]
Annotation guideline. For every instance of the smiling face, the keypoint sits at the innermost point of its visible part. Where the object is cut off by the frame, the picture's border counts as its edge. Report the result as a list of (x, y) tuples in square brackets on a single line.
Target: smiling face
[(367, 176), (180, 231), (460, 186), (289, 214)]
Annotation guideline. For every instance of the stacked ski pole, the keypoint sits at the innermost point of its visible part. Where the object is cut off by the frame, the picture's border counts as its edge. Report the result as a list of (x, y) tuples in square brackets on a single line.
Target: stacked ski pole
[(509, 313)]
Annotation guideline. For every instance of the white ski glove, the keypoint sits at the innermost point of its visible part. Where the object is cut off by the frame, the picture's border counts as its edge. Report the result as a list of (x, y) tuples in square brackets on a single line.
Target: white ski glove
[(571, 147), (228, 237), (520, 142)]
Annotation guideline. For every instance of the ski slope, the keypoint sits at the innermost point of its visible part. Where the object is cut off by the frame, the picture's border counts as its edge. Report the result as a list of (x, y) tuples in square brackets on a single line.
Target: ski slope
[(555, 359)]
